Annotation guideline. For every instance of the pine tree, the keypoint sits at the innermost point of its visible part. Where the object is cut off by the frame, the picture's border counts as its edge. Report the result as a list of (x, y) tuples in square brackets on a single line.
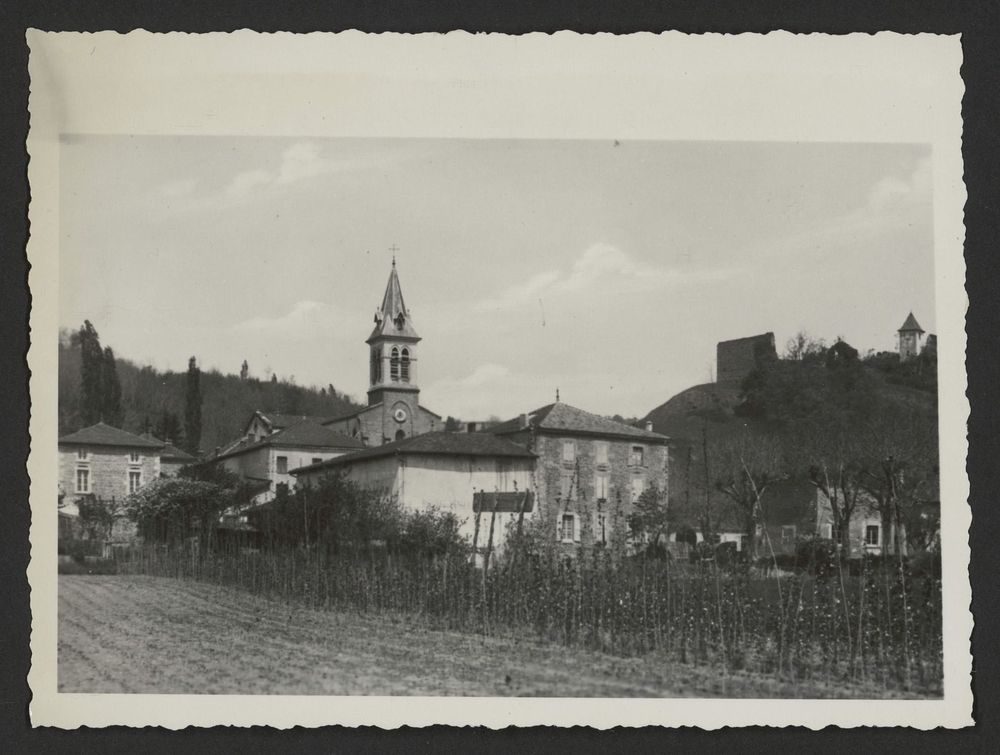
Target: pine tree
[(192, 408), (91, 363), (111, 390)]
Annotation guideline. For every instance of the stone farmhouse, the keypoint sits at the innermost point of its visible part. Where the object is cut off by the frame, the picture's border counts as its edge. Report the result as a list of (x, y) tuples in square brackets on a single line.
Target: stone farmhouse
[(590, 470), (105, 463)]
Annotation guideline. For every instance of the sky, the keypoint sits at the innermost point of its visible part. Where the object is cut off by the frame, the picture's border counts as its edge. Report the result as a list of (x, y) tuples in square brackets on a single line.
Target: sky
[(606, 269)]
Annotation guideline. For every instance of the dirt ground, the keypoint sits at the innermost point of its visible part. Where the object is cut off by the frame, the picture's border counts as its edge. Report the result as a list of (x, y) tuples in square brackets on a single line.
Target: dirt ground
[(136, 634)]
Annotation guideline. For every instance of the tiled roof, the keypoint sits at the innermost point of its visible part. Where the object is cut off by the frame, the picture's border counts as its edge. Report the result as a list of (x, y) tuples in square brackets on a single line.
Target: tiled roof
[(281, 421), (305, 433), (559, 417), (171, 452), (392, 318), (435, 443), (911, 324), (105, 435)]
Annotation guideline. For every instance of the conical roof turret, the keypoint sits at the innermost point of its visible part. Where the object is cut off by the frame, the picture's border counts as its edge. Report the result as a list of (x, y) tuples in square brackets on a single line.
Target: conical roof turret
[(911, 325)]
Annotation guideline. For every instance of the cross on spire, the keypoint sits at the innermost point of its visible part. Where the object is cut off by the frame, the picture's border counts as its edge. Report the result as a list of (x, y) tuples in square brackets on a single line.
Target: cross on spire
[(394, 249)]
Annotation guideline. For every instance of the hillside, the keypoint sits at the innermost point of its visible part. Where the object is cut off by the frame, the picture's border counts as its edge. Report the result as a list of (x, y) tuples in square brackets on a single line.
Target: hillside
[(786, 400), (148, 395)]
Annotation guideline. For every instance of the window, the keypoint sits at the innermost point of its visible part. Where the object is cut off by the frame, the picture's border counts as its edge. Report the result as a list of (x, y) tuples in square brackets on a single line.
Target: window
[(134, 457), (404, 366), (872, 534), (601, 453), (788, 533), (282, 464), (601, 486), (316, 460), (376, 365), (637, 456), (82, 454), (567, 528), (827, 531), (566, 485), (569, 451), (134, 480), (394, 365), (601, 529), (83, 481), (400, 434), (503, 475), (638, 486)]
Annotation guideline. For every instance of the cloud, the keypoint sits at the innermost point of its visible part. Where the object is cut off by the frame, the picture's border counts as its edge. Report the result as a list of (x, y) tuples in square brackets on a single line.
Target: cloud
[(892, 192), (300, 161), (307, 319), (600, 268)]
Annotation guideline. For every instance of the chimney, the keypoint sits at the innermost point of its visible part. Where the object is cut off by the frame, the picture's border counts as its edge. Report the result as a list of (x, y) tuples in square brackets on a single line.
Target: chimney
[(649, 425), (523, 421)]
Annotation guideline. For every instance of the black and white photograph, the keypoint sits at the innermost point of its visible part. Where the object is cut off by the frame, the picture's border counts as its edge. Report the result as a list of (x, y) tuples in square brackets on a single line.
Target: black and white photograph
[(460, 415)]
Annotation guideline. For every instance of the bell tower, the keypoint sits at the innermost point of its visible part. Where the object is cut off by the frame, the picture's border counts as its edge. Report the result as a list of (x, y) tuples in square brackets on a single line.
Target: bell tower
[(393, 363)]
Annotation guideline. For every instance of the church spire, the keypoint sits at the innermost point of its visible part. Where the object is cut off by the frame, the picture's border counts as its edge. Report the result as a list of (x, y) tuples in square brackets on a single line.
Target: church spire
[(392, 319)]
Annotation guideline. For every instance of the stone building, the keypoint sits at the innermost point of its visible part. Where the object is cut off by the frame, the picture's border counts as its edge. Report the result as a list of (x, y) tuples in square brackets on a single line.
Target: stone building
[(910, 337), (269, 460), (735, 359), (448, 471), (393, 410), (590, 470), (104, 463)]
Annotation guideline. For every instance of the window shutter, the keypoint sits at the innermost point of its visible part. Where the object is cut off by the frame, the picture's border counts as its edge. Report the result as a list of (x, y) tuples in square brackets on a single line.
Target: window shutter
[(577, 521)]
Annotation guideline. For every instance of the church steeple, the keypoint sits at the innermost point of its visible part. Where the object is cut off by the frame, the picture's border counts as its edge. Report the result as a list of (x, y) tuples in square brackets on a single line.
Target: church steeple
[(392, 345), (392, 319)]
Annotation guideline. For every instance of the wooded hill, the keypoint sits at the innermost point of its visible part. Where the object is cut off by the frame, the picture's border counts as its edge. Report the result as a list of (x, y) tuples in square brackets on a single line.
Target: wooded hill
[(155, 401), (817, 408)]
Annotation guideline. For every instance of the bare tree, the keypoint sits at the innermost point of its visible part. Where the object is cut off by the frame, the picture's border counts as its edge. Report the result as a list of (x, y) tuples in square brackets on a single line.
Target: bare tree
[(746, 464)]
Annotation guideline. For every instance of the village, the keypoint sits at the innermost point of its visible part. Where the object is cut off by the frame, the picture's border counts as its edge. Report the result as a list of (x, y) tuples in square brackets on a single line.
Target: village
[(586, 479)]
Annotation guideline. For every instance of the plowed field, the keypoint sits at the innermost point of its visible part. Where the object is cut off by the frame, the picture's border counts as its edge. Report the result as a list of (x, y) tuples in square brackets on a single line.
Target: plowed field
[(156, 635)]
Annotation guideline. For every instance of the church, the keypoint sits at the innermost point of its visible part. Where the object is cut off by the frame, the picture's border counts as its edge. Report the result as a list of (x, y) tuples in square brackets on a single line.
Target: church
[(394, 412)]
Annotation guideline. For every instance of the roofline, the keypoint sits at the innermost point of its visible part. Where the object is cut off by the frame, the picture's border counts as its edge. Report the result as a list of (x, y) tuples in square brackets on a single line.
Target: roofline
[(378, 453), (150, 447), (655, 438), (266, 443)]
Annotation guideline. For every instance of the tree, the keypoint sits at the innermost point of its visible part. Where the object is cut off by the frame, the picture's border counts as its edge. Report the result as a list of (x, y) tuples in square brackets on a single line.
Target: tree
[(91, 368), (192, 408), (173, 509), (900, 447), (648, 520), (111, 390), (452, 425), (802, 347), (745, 466)]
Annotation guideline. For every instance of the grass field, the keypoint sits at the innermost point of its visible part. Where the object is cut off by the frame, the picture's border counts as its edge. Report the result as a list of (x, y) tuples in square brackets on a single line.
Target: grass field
[(140, 634)]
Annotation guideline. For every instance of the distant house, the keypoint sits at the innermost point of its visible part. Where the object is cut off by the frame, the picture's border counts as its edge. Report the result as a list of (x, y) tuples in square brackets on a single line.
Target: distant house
[(105, 463), (457, 473), (590, 469), (261, 424), (269, 459), (172, 459)]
